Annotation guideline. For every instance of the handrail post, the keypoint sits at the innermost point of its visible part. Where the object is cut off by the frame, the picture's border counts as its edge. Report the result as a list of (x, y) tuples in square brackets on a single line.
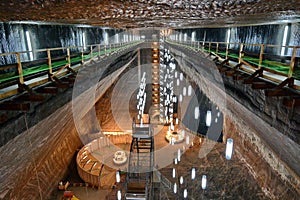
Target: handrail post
[(203, 45), (105, 49), (82, 59), (91, 51), (69, 56), (20, 72), (227, 49), (198, 45), (217, 48), (99, 53), (209, 46), (49, 62), (292, 63), (261, 55), (241, 53)]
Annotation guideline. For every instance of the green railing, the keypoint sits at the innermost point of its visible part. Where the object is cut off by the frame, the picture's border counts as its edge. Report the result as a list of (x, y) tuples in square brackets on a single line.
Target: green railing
[(285, 66), (48, 64)]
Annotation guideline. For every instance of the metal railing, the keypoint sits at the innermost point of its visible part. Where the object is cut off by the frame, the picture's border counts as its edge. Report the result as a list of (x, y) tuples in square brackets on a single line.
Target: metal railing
[(253, 57), (53, 62)]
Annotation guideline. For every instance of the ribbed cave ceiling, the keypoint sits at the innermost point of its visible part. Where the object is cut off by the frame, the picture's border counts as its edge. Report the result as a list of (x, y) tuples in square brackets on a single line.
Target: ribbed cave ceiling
[(152, 13)]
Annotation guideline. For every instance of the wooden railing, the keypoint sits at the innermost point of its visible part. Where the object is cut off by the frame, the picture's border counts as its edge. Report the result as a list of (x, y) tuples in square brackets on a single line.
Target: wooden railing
[(53, 62), (265, 58)]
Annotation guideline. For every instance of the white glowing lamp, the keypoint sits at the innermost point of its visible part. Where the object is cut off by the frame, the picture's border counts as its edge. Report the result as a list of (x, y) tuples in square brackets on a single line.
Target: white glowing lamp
[(175, 188), (175, 161), (181, 180), (208, 118), (177, 82), (190, 90), (185, 193), (187, 140), (119, 195), (176, 74), (178, 155), (184, 91), (118, 178), (176, 121), (193, 175), (180, 98), (181, 76), (229, 148), (197, 112), (173, 173), (204, 181)]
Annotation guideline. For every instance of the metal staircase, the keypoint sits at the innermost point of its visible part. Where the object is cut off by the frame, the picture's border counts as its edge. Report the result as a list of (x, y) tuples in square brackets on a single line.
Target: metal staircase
[(141, 159)]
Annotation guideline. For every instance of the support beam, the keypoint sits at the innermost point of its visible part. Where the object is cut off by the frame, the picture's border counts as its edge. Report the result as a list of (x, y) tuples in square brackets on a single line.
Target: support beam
[(291, 102), (279, 92), (31, 97), (15, 106), (47, 90), (252, 77), (262, 85)]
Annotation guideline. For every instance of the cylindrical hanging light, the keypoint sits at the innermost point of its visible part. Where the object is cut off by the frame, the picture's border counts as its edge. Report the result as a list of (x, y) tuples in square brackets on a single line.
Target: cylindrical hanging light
[(173, 173), (118, 178), (181, 180), (175, 188), (203, 183), (184, 91), (197, 112), (193, 175), (229, 148), (185, 193), (187, 140), (178, 155), (190, 90), (119, 195), (208, 118)]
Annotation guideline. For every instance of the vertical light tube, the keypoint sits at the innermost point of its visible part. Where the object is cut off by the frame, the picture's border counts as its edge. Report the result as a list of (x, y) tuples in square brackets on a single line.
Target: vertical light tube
[(197, 112), (204, 181), (118, 178), (228, 36), (119, 195), (173, 173), (284, 40), (229, 148), (178, 155), (193, 175), (175, 188), (185, 193), (208, 118), (84, 40), (29, 44)]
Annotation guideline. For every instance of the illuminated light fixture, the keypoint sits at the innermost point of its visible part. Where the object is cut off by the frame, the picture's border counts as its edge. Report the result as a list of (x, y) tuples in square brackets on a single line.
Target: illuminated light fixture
[(175, 161), (118, 178), (203, 182), (284, 39), (208, 118), (176, 121), (181, 180), (184, 91), (119, 195), (185, 193), (187, 140), (173, 173), (197, 112), (216, 120), (180, 98), (175, 74), (178, 155), (190, 90), (229, 148), (181, 76), (177, 82), (193, 175), (228, 36), (175, 188), (29, 44), (218, 114)]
